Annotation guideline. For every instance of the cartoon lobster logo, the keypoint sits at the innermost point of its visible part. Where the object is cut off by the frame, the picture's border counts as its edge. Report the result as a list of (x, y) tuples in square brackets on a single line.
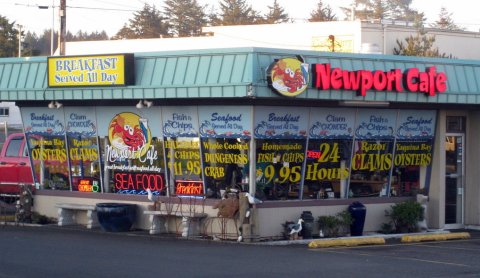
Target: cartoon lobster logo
[(289, 76), (127, 131)]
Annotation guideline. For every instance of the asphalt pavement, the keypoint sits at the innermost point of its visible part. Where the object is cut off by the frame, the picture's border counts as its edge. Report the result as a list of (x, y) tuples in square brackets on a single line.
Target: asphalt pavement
[(52, 251)]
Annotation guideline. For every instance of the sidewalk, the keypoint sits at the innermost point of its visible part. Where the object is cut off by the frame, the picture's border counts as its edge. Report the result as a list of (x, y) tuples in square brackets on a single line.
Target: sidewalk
[(379, 239)]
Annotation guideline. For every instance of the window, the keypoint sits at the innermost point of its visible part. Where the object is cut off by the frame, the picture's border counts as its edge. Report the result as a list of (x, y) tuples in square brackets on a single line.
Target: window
[(14, 147), (4, 111)]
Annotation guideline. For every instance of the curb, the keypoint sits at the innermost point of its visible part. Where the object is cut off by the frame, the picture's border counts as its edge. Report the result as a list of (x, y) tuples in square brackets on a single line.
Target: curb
[(346, 242), (434, 237)]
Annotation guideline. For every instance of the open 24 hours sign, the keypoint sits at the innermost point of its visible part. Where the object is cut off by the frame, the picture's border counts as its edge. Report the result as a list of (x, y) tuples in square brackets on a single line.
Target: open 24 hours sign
[(97, 70)]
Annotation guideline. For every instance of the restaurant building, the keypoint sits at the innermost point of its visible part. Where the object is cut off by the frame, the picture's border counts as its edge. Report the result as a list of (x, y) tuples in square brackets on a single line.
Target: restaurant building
[(302, 130)]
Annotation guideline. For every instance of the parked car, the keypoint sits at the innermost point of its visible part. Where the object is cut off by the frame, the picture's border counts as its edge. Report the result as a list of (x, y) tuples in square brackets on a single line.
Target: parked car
[(15, 166)]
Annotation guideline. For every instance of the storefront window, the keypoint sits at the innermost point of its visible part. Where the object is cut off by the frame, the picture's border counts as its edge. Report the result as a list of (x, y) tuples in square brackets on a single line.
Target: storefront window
[(225, 164), (329, 151), (45, 134), (182, 149), (280, 152), (372, 158), (133, 150), (83, 149), (225, 143), (279, 168), (327, 169), (413, 152), (183, 166)]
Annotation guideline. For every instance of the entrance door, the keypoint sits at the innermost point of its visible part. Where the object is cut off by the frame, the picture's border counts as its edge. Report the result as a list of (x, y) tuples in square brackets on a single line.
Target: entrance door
[(454, 180)]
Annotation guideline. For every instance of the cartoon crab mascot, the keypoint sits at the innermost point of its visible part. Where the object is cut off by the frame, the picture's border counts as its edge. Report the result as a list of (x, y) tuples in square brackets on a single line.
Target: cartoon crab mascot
[(129, 132)]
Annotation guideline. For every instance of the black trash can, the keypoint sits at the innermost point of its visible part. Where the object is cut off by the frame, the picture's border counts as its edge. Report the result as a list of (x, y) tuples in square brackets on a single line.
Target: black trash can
[(358, 211), (307, 225)]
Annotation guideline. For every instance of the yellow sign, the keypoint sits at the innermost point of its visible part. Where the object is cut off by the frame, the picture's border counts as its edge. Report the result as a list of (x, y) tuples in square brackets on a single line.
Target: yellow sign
[(101, 70)]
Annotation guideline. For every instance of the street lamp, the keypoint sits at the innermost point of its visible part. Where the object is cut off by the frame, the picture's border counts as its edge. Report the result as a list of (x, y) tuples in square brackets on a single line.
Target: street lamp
[(53, 24)]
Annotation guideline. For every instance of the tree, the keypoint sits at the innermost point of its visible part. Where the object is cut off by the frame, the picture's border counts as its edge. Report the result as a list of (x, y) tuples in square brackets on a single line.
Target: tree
[(276, 14), (445, 21), (185, 17), (8, 38), (322, 13), (147, 23), (401, 10), (419, 45), (236, 12), (365, 9)]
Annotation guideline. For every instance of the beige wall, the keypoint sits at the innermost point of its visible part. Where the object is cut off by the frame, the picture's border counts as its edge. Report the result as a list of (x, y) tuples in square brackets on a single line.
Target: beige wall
[(273, 218), (472, 164)]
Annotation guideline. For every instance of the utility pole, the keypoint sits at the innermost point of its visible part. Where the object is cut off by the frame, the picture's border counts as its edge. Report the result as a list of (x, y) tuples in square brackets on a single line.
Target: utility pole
[(63, 28), (19, 27)]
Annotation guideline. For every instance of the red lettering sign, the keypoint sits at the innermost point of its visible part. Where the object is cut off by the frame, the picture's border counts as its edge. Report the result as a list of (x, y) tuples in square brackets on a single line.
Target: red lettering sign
[(194, 188), (314, 154), (85, 186), (429, 82), (139, 181)]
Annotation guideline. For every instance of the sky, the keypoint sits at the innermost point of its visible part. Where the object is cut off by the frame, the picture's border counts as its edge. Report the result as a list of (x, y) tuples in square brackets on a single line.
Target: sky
[(111, 15)]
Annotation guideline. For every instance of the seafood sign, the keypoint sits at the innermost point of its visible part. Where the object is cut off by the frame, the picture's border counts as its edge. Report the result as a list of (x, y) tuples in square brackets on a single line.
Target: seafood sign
[(130, 138), (288, 76)]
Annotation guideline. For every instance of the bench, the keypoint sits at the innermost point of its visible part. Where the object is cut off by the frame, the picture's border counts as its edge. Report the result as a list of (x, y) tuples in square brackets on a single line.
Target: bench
[(191, 221), (189, 209), (67, 214)]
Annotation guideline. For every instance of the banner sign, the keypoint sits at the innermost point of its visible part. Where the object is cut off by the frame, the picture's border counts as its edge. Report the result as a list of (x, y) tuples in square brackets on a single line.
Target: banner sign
[(180, 121), (376, 124), (416, 124), (80, 121), (41, 121), (225, 121), (98, 70), (281, 122), (332, 123)]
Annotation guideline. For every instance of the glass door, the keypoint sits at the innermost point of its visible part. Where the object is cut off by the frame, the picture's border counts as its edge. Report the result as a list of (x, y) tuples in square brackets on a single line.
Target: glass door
[(454, 180)]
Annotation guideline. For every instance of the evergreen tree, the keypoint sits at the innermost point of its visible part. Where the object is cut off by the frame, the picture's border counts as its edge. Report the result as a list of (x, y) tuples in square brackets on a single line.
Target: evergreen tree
[(147, 23), (185, 17), (276, 14), (322, 13), (419, 45), (237, 12), (445, 21), (8, 38), (365, 9), (401, 10)]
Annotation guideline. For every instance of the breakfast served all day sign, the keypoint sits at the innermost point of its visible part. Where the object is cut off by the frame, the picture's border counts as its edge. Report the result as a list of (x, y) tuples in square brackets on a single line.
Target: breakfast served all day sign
[(98, 70)]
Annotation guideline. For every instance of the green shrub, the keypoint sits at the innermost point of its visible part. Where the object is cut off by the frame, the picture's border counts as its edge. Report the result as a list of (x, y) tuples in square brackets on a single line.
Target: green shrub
[(334, 226), (405, 216)]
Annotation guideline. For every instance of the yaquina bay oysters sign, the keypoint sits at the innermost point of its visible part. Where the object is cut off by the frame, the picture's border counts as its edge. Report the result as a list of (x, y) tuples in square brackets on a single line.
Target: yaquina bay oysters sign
[(98, 70)]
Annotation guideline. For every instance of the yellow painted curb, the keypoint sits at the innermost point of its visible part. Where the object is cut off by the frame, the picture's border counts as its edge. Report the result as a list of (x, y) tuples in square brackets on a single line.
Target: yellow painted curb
[(324, 243), (435, 237)]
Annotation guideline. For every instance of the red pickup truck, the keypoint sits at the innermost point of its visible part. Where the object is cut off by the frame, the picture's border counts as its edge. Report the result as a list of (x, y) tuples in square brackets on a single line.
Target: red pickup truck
[(14, 164)]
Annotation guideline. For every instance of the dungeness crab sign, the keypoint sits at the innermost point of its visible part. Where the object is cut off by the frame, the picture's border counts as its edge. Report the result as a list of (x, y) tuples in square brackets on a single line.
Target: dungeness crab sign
[(290, 77)]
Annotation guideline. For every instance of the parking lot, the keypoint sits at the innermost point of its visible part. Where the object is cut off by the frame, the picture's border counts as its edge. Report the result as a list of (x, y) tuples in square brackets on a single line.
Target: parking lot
[(56, 251)]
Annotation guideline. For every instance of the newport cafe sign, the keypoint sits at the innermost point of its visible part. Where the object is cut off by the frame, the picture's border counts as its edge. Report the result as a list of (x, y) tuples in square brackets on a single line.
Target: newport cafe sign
[(290, 77)]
